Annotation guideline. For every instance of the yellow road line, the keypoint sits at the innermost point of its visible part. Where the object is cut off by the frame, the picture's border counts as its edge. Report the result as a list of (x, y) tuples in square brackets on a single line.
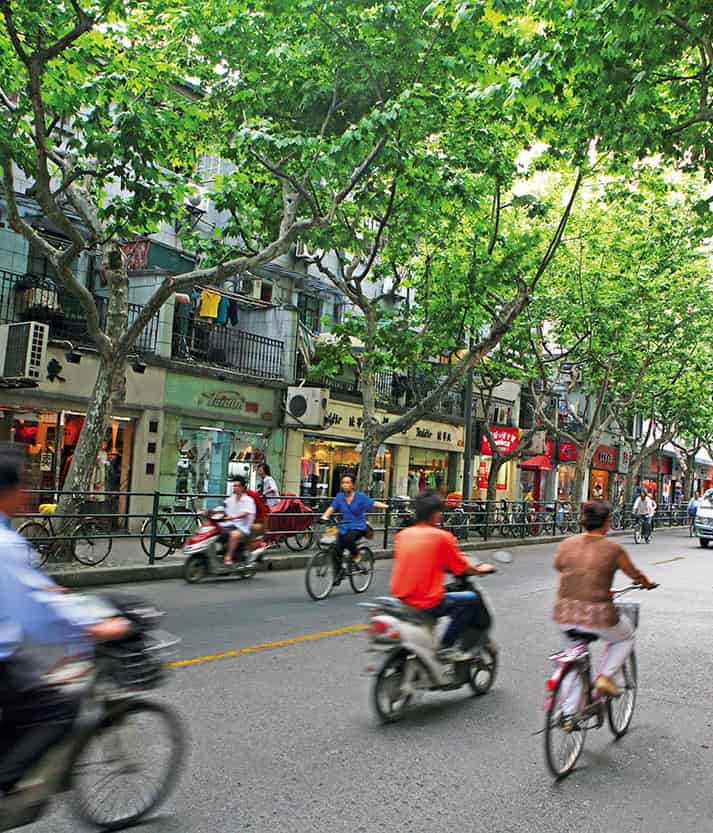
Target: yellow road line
[(264, 646)]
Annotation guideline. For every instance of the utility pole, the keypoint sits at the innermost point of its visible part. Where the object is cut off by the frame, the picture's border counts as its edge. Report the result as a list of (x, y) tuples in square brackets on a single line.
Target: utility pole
[(468, 444)]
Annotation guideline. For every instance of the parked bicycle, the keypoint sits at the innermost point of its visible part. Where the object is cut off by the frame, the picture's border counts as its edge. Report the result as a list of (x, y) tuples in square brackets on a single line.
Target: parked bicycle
[(566, 729), (173, 527), (90, 542), (320, 577)]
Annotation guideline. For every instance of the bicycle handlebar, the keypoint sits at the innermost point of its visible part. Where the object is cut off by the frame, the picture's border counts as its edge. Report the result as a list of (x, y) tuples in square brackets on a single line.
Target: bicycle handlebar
[(618, 591)]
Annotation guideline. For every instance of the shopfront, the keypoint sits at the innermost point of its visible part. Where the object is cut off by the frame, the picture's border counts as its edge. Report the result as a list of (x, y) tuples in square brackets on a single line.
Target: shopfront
[(46, 422), (506, 439), (567, 454), (604, 465), (659, 478), (215, 431), (427, 455)]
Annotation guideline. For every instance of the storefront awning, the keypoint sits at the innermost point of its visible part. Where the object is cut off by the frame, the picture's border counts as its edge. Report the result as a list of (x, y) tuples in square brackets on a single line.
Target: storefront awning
[(538, 462)]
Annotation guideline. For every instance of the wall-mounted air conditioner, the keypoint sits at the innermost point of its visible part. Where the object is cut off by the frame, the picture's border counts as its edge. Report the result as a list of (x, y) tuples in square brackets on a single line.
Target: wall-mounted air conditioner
[(23, 352), (306, 407)]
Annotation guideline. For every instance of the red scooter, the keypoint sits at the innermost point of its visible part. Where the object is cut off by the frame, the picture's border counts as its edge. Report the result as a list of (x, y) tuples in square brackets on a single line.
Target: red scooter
[(205, 551)]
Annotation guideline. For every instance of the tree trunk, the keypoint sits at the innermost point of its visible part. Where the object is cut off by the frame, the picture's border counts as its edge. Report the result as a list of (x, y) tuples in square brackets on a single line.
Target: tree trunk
[(369, 450), (634, 473), (79, 478), (492, 493), (580, 491)]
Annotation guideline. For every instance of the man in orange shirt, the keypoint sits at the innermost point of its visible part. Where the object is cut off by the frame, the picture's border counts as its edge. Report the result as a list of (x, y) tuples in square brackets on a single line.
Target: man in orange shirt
[(423, 554)]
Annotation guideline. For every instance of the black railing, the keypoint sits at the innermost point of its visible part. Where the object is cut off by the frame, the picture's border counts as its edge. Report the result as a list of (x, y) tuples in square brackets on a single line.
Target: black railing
[(220, 345), (399, 391), (36, 298)]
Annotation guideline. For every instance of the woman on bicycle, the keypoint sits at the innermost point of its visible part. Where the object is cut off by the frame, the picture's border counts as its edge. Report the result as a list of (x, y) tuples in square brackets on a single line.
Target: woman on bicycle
[(587, 564)]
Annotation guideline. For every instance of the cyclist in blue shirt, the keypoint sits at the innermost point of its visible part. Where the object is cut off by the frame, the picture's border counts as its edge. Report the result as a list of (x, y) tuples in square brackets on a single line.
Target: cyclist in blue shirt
[(352, 507), (33, 714)]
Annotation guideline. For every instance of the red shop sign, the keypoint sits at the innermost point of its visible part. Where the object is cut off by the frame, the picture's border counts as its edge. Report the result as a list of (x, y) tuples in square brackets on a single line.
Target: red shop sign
[(505, 439), (604, 458), (568, 452), (549, 449)]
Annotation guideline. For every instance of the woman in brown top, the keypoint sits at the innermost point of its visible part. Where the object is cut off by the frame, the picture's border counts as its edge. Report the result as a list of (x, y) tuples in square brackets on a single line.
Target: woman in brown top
[(587, 564)]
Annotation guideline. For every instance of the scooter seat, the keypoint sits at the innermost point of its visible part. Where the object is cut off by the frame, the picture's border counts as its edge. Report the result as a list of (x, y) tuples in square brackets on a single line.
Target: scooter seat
[(395, 607)]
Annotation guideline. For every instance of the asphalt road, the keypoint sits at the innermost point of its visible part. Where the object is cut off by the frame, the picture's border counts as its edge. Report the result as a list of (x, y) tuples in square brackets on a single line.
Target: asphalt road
[(284, 739)]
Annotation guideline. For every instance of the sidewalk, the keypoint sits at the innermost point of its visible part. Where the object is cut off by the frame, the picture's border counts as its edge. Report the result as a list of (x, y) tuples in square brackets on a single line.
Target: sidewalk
[(128, 563)]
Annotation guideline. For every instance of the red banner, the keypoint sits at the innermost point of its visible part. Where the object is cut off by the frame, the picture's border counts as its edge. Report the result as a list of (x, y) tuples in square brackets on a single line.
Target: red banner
[(665, 465), (604, 458), (550, 449), (483, 475), (568, 452), (505, 439)]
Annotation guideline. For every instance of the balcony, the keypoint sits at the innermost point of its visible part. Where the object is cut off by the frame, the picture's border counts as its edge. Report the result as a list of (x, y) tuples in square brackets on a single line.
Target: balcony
[(35, 298), (226, 347), (399, 391)]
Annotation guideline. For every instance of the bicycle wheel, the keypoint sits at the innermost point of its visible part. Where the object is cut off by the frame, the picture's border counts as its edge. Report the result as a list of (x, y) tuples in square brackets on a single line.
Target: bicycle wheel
[(300, 541), (166, 537), (564, 737), (637, 534), (117, 777), (362, 570), (620, 710), (40, 540), (90, 543), (319, 575)]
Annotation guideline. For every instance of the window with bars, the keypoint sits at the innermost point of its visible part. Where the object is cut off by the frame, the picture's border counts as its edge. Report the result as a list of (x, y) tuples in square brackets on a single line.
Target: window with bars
[(309, 309)]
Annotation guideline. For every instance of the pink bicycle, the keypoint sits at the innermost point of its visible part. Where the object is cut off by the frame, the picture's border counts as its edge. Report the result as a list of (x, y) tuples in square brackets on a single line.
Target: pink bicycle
[(566, 725)]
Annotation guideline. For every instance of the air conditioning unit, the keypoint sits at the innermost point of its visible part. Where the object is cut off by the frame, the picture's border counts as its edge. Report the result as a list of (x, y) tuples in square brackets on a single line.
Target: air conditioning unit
[(23, 351), (306, 407)]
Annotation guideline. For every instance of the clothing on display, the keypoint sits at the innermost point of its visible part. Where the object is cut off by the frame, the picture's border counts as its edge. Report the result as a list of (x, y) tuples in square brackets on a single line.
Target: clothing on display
[(233, 311)]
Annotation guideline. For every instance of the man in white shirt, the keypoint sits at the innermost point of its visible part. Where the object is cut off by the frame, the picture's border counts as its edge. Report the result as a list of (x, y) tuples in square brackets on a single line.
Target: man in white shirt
[(645, 506), (240, 512)]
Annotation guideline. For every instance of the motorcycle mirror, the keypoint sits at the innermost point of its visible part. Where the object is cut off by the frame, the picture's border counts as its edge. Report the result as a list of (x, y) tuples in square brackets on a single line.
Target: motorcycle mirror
[(503, 556)]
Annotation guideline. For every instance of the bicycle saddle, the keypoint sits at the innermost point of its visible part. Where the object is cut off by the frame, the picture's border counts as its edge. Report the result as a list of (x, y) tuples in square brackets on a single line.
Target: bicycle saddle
[(577, 635)]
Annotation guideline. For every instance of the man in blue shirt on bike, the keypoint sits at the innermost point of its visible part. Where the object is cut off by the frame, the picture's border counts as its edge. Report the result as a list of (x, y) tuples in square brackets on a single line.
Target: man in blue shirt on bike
[(33, 715), (352, 507)]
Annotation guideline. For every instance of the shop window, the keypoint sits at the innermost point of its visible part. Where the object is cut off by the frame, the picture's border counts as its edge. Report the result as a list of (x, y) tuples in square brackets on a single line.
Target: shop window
[(209, 459), (325, 462), (309, 310), (428, 469)]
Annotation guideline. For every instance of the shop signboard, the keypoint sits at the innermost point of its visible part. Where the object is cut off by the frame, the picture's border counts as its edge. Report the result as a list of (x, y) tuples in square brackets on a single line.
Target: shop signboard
[(344, 420), (483, 475), (568, 452), (215, 399), (604, 458), (625, 457), (505, 439)]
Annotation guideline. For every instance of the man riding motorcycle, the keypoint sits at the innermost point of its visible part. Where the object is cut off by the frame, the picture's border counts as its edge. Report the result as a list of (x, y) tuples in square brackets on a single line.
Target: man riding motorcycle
[(33, 715), (423, 554)]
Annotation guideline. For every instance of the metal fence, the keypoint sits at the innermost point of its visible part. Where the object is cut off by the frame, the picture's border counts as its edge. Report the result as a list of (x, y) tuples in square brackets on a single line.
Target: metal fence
[(250, 354), (97, 520)]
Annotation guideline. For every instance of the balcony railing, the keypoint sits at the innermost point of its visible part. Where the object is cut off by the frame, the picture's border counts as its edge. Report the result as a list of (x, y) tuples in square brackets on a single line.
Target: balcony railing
[(35, 298), (215, 344), (396, 390)]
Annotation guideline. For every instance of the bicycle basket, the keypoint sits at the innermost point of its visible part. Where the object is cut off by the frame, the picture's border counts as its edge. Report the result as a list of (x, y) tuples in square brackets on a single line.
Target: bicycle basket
[(630, 610), (329, 536), (138, 663)]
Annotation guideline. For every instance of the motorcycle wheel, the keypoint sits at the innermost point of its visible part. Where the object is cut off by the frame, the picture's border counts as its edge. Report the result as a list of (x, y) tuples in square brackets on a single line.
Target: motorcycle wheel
[(389, 701), (194, 570), (483, 670)]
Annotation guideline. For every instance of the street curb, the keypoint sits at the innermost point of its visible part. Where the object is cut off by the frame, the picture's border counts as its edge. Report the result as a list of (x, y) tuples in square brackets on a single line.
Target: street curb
[(102, 576)]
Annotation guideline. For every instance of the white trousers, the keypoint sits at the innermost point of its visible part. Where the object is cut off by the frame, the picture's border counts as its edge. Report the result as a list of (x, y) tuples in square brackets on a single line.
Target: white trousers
[(619, 645)]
